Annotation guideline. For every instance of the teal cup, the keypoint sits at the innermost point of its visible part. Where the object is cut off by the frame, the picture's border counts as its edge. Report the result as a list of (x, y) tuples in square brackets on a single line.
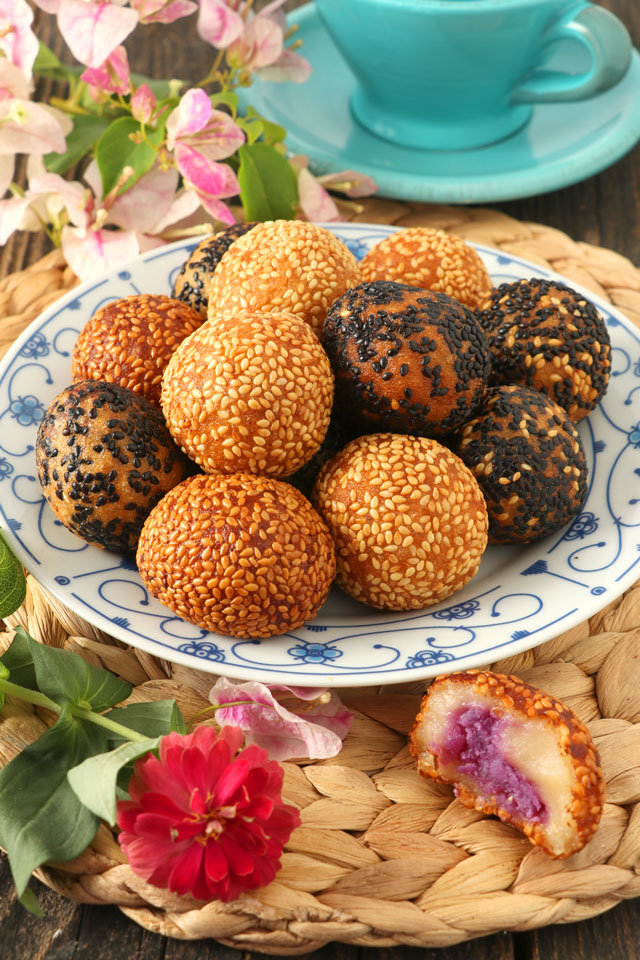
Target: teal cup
[(458, 74)]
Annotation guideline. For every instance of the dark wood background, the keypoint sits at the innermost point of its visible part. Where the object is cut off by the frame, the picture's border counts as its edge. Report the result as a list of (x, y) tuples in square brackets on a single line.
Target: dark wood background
[(605, 211)]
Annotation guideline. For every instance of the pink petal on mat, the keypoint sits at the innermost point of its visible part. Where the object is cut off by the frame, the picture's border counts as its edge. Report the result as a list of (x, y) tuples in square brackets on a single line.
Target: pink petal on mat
[(17, 39), (92, 31), (91, 253), (218, 24), (294, 728)]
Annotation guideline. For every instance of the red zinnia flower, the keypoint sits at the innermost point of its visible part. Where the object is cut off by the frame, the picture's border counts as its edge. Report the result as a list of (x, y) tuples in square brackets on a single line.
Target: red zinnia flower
[(206, 817)]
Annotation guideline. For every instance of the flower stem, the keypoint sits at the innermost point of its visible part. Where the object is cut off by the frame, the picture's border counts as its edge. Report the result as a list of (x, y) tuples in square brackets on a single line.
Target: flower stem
[(31, 696), (125, 732), (84, 713)]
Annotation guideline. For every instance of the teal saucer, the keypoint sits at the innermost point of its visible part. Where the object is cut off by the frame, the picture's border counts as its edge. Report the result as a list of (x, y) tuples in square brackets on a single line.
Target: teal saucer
[(562, 143)]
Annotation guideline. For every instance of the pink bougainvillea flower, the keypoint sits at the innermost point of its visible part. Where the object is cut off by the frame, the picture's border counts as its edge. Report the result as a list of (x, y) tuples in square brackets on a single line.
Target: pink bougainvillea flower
[(153, 203), (196, 124), (143, 104), (92, 252), (286, 721), (259, 45), (17, 40), (289, 67), (206, 817), (218, 24), (314, 201), (211, 181), (92, 31), (13, 82), (27, 127), (112, 76), (163, 11), (349, 182)]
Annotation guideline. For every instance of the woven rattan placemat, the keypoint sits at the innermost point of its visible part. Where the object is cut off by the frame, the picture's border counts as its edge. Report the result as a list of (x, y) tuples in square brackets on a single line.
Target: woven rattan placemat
[(383, 857)]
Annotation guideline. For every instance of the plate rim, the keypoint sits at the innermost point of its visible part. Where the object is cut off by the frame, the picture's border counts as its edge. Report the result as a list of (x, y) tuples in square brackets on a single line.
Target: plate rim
[(373, 676)]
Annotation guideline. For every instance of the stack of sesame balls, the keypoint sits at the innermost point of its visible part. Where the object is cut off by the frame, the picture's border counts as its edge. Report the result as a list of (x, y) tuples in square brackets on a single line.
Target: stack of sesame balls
[(373, 422)]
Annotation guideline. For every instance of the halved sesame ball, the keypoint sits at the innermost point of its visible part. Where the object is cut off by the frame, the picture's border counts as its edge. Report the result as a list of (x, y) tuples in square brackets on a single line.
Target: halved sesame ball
[(407, 517), (431, 259), (529, 460), (192, 283), (545, 335), (288, 265), (249, 393), (104, 459), (240, 555), (130, 341), (405, 359), (514, 751)]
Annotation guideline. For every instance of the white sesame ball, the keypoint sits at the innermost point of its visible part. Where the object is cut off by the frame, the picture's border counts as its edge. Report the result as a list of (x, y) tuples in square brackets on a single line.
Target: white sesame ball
[(249, 393), (407, 517), (287, 265)]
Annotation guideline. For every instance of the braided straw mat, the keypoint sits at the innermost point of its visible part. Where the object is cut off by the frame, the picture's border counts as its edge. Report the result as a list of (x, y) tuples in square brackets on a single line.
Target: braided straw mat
[(383, 857)]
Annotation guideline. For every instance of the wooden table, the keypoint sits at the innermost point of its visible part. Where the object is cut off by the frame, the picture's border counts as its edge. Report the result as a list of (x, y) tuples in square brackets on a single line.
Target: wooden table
[(605, 211)]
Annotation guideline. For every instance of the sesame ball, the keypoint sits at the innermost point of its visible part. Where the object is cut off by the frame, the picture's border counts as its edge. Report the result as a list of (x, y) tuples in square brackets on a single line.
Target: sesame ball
[(407, 517), (240, 555), (543, 334), (105, 458), (281, 265), (529, 460), (192, 283), (130, 341), (405, 359), (512, 751), (249, 393), (431, 259)]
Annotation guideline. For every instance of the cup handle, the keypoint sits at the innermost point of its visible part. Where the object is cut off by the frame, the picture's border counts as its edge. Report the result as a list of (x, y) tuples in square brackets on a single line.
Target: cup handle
[(608, 42)]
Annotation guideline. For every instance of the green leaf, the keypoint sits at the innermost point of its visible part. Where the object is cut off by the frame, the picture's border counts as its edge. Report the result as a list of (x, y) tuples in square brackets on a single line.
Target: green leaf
[(252, 129), (94, 781), (68, 679), (41, 818), (13, 584), (19, 661), (229, 100), (155, 719), (47, 65), (273, 132), (115, 151), (268, 186), (87, 128)]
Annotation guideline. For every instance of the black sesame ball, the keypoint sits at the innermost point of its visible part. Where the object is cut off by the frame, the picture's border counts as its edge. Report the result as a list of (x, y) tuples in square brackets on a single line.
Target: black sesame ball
[(105, 458), (543, 334), (192, 283), (406, 360), (529, 460)]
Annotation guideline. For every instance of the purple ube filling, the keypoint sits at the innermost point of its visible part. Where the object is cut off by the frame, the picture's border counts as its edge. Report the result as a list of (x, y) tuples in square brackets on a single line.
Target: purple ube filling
[(472, 741)]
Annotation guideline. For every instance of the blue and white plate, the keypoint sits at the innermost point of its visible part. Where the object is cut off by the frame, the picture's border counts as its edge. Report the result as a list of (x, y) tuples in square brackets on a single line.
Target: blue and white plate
[(520, 597)]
